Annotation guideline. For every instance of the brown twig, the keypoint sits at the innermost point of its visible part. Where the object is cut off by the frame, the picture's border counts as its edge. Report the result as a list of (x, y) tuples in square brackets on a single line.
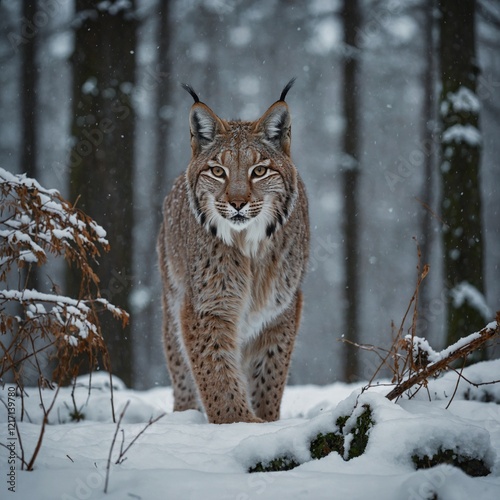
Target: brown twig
[(429, 209), (19, 457), (45, 421), (121, 457), (151, 421), (108, 465), (457, 384)]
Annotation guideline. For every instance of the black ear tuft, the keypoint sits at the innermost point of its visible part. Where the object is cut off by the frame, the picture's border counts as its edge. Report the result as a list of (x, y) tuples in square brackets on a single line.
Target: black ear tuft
[(189, 89), (288, 86)]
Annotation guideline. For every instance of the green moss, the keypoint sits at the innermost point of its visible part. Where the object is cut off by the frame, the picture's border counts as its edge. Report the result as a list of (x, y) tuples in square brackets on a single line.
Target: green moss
[(278, 464), (341, 422), (360, 433), (471, 466), (324, 444)]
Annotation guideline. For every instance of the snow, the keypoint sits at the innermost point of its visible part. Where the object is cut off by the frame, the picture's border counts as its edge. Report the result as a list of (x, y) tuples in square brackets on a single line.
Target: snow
[(464, 100), (403, 28), (66, 227), (29, 295), (326, 36), (68, 311), (421, 345), (240, 36), (140, 298), (181, 456), (23, 180), (465, 292), (114, 7), (462, 133)]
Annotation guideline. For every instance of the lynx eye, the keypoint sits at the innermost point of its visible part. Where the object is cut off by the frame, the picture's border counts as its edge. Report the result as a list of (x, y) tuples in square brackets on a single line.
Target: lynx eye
[(259, 171), (218, 171)]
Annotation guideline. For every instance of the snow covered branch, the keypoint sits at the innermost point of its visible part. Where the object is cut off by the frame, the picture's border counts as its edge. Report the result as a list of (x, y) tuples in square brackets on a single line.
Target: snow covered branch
[(35, 221), (431, 363)]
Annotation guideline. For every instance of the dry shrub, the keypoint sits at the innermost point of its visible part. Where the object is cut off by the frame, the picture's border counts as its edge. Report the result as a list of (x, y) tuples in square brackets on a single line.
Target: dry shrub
[(34, 223)]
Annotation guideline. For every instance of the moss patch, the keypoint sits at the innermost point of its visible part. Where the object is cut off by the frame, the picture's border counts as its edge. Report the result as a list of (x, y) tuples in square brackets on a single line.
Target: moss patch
[(278, 464), (360, 432), (324, 444), (471, 466)]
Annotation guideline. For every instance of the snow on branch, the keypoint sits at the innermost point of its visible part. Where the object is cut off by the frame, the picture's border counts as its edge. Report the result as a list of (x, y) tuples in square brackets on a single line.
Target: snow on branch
[(430, 363), (35, 221)]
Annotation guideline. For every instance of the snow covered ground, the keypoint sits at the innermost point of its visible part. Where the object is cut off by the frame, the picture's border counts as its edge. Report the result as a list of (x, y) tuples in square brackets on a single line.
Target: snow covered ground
[(181, 456)]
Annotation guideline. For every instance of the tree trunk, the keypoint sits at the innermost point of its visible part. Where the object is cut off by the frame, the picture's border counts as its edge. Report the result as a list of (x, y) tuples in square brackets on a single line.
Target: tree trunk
[(350, 174), (29, 84), (146, 316), (28, 97), (460, 158), (427, 139), (102, 157), (162, 101)]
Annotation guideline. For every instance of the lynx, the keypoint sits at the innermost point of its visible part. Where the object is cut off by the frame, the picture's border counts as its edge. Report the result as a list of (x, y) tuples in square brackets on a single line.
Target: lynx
[(233, 249)]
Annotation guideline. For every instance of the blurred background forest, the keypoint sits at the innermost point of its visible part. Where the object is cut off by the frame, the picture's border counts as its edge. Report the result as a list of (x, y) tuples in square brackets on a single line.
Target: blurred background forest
[(91, 105)]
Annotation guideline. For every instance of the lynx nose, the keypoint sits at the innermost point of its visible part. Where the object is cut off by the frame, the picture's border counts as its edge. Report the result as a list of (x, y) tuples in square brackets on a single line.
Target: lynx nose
[(238, 204)]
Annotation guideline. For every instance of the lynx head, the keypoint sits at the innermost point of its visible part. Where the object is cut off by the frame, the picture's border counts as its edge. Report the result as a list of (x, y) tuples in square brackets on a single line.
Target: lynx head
[(241, 178)]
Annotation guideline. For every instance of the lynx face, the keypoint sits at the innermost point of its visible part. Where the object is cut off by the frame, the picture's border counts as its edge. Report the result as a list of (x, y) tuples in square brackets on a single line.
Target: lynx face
[(238, 180), (252, 186)]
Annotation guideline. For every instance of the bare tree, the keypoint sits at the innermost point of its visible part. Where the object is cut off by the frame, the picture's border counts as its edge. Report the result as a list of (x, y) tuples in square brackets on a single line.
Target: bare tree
[(102, 157), (350, 174), (427, 136), (158, 187), (29, 107), (460, 168)]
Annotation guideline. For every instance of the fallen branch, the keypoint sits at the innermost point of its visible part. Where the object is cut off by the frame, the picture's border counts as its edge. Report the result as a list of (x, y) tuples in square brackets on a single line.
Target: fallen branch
[(483, 336)]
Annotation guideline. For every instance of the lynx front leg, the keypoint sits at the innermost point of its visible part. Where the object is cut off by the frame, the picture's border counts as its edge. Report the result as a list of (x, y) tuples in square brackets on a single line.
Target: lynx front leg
[(211, 346), (268, 359), (185, 395)]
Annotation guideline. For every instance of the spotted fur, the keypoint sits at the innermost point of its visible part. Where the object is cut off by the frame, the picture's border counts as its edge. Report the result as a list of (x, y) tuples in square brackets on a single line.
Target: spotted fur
[(233, 249)]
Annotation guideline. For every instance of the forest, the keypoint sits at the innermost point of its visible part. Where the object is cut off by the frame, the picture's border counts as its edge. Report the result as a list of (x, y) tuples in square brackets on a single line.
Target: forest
[(394, 386), (395, 124)]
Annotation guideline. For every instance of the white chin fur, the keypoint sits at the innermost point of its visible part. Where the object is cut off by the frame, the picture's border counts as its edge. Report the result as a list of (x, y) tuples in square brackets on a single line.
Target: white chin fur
[(255, 228), (255, 231)]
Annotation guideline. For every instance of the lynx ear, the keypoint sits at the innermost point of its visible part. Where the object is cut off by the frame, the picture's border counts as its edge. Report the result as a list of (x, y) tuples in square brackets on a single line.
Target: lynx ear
[(204, 123), (275, 124)]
